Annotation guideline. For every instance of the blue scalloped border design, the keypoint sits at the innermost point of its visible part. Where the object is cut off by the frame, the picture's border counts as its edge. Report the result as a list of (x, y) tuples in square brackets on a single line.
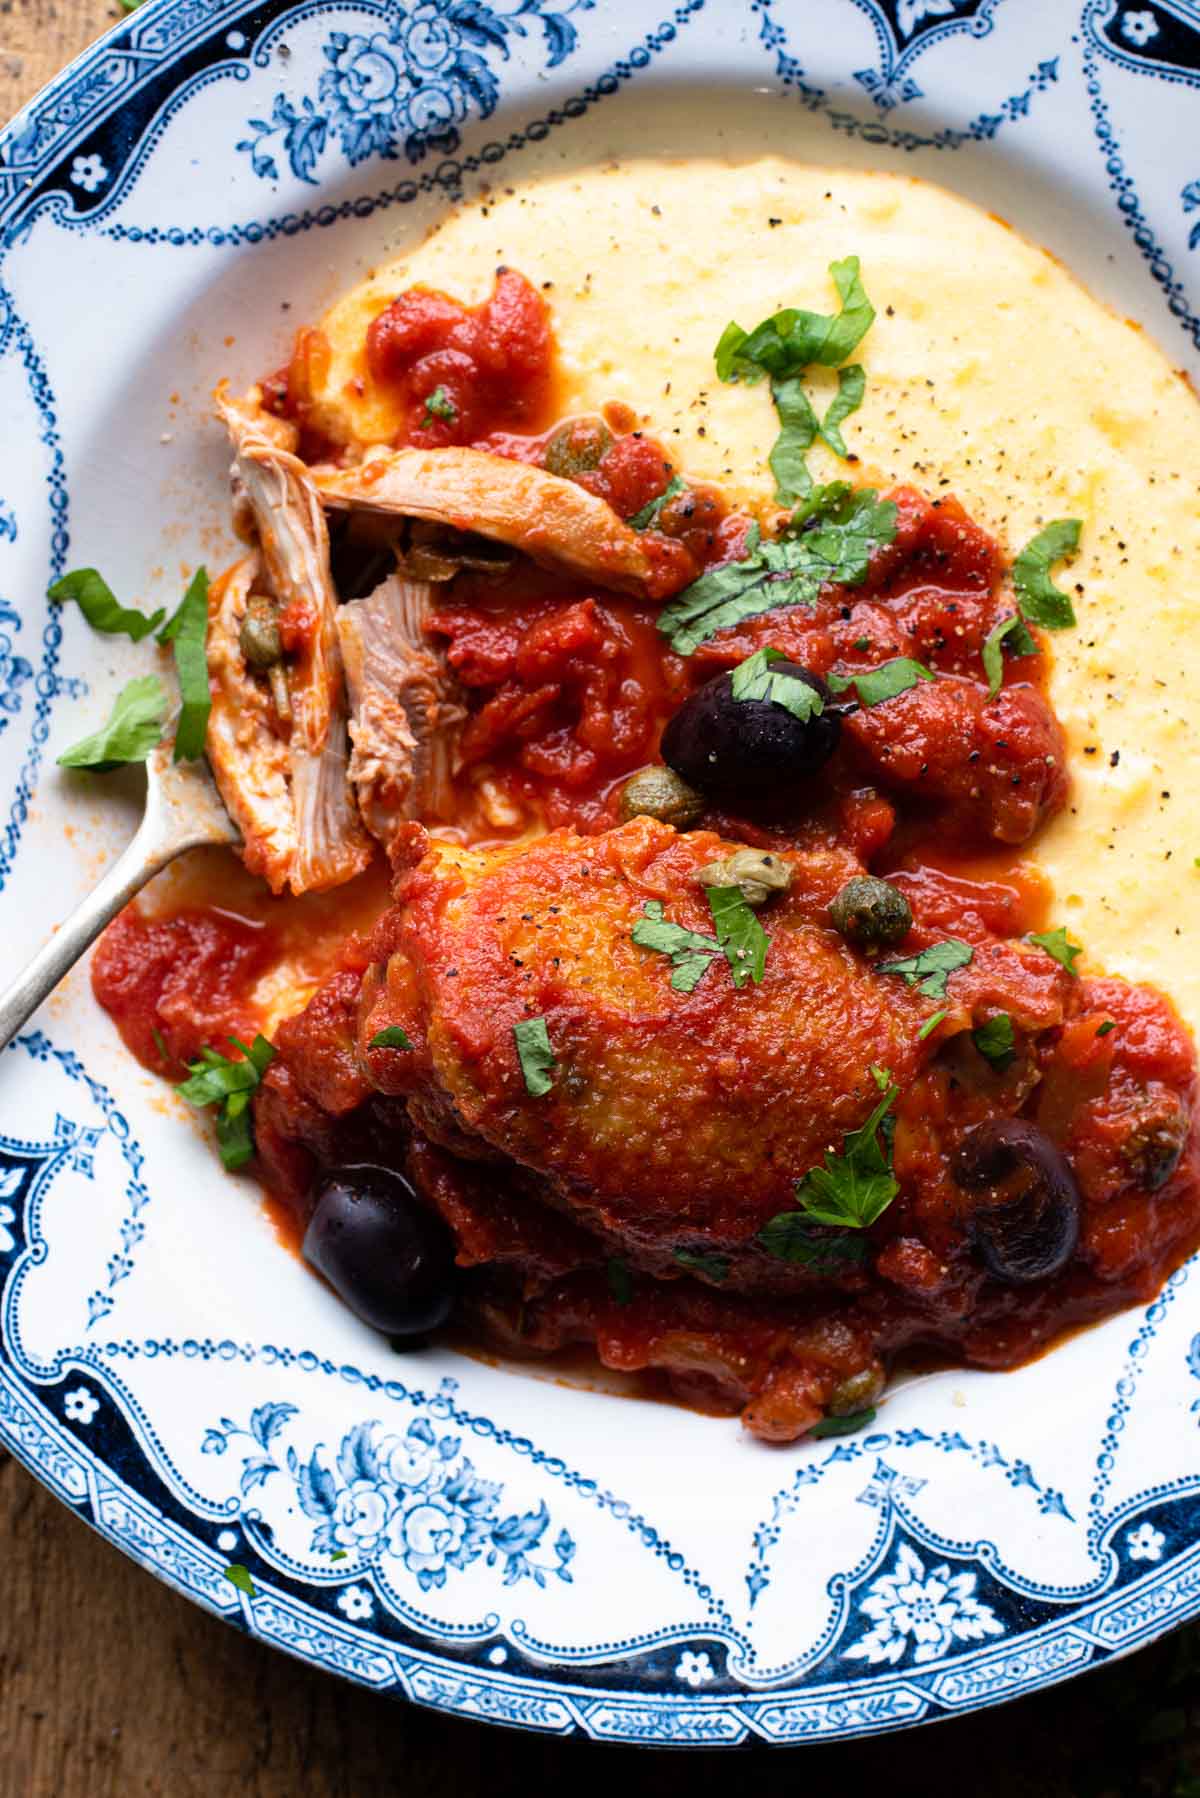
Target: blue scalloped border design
[(77, 1424)]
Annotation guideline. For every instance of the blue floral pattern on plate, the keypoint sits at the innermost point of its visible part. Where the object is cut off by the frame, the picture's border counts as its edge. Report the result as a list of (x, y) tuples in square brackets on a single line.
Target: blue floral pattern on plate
[(474, 1541), (413, 1502), (410, 86)]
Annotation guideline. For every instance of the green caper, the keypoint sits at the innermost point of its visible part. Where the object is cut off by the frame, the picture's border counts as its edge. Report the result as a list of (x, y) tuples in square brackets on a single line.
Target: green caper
[(578, 447), (756, 871), (871, 911), (857, 1392), (659, 793), (258, 637)]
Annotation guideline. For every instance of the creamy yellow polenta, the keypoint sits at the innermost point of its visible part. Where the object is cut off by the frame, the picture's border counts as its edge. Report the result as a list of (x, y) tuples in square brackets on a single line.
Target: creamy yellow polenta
[(991, 373)]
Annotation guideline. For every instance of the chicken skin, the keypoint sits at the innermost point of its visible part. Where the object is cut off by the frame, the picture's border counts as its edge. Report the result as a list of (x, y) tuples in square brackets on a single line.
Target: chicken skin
[(666, 1129), (673, 1117)]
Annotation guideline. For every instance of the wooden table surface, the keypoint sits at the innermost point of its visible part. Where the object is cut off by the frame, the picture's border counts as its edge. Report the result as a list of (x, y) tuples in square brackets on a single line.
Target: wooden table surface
[(111, 1684)]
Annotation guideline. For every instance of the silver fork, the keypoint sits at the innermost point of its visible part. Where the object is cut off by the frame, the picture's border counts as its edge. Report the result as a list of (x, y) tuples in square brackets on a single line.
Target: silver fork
[(183, 811)]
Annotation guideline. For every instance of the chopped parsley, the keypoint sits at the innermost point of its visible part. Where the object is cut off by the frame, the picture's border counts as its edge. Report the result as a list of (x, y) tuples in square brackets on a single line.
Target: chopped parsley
[(712, 1267), (620, 1281), (101, 607), (931, 1024), (187, 631), (1058, 944), (133, 728), (438, 404), (239, 1576), (790, 1236), (391, 1038), (691, 953), (739, 933), (740, 938), (1108, 1024), (535, 1055), (996, 1041), (928, 970), (160, 1045), (753, 679), (650, 513), (1011, 633), (849, 1190), (1040, 600), (783, 347), (875, 685), (217, 1080), (843, 1426), (828, 540)]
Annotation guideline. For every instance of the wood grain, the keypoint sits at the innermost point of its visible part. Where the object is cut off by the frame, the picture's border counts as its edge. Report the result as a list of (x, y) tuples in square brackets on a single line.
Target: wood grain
[(38, 36), (112, 1685)]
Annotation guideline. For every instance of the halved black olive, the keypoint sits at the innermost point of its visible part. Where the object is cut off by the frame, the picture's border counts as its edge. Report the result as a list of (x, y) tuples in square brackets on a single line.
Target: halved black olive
[(1025, 1224), (748, 753), (385, 1254)]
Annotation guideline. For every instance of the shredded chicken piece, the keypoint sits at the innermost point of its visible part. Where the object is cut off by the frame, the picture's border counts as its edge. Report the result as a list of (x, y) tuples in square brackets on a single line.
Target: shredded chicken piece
[(250, 762), (553, 521), (404, 718), (275, 486)]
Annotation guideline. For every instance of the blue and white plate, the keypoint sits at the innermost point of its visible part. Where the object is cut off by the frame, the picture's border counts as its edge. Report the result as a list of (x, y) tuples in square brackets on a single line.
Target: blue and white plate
[(484, 1541)]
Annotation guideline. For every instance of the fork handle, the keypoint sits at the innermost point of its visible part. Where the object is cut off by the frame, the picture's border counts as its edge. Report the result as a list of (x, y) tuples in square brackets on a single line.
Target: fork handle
[(145, 856)]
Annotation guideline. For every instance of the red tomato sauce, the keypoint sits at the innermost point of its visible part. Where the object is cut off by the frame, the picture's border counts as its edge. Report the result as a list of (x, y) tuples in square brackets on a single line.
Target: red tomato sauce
[(568, 690)]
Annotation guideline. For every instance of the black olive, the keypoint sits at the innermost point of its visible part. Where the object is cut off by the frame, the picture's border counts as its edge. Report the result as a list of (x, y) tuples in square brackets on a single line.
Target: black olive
[(748, 753), (384, 1253), (871, 911), (1026, 1223)]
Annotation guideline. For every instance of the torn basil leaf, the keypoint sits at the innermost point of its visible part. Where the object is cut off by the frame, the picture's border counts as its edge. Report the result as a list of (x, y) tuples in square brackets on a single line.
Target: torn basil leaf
[(852, 385), (874, 685), (134, 727), (101, 607), (798, 429), (829, 541), (783, 347), (752, 679), (650, 513), (535, 1055), (1040, 600), (1012, 634), (187, 631)]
